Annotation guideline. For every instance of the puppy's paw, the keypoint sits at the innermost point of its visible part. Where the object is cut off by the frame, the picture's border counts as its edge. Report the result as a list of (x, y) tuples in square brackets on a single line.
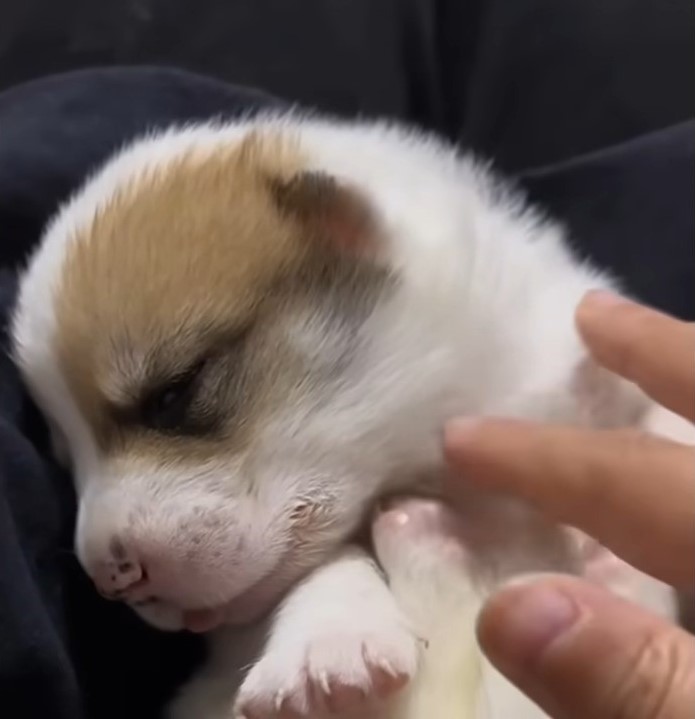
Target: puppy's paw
[(334, 671)]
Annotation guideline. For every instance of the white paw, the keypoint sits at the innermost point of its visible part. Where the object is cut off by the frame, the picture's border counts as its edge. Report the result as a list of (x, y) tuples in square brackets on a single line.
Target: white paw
[(337, 671)]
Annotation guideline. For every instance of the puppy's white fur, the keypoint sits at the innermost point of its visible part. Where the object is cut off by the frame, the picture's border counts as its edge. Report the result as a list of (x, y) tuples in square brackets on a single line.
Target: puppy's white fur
[(481, 322)]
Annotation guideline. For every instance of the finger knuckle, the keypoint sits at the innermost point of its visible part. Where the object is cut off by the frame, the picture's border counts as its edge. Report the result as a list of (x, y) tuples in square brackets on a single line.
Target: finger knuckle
[(653, 680)]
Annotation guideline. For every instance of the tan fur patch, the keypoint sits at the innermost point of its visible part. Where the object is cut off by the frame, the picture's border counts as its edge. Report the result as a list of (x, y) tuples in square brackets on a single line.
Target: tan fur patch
[(203, 226), (184, 262)]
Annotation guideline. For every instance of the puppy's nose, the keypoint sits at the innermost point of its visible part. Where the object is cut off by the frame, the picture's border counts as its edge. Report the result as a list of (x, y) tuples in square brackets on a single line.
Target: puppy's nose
[(120, 574)]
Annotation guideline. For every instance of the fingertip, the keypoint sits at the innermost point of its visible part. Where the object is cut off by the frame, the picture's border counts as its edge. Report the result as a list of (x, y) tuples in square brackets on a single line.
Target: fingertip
[(464, 434), (598, 655), (486, 451), (600, 298), (459, 435), (524, 617), (603, 299), (595, 305)]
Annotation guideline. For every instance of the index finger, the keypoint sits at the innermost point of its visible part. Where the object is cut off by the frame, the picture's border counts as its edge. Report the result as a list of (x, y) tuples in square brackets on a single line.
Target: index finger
[(645, 346), (633, 492)]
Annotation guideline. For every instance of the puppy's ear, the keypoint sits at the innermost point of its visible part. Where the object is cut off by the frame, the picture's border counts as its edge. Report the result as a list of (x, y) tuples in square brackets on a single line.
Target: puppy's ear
[(330, 211)]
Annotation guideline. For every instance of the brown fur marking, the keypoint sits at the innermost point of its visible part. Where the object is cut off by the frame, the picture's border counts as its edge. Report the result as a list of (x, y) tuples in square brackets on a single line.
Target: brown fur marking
[(182, 261), (175, 219)]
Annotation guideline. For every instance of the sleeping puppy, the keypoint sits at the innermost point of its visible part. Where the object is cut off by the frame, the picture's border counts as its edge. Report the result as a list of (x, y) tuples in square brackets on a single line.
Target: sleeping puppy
[(244, 335)]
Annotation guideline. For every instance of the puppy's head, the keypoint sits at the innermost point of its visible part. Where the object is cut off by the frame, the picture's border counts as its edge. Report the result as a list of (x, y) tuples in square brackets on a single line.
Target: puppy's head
[(186, 325)]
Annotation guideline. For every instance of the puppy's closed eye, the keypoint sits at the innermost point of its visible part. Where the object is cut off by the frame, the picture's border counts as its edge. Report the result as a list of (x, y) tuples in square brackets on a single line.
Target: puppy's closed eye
[(168, 408)]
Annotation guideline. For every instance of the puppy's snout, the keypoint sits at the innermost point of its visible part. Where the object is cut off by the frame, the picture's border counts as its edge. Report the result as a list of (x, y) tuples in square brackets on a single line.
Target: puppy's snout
[(120, 573), (191, 556)]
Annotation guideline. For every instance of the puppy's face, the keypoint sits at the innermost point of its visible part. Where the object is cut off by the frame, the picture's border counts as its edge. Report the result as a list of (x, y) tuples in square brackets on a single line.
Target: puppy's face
[(203, 316)]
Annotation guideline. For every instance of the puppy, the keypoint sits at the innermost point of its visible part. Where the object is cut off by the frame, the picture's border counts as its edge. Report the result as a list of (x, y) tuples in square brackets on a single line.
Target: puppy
[(242, 336)]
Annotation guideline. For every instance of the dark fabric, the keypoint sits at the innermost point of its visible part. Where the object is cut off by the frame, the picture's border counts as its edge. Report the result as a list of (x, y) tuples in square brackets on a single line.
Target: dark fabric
[(529, 82), (630, 208)]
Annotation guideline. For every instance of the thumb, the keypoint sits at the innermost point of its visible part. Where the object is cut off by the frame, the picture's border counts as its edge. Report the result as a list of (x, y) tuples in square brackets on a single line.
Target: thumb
[(580, 652)]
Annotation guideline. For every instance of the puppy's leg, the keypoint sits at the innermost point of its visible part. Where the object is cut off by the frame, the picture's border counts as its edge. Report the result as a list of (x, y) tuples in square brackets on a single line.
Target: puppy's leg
[(429, 572), (428, 557), (338, 642)]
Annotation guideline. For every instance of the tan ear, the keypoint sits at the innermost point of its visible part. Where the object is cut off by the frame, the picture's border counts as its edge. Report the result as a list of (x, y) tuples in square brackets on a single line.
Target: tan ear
[(330, 211)]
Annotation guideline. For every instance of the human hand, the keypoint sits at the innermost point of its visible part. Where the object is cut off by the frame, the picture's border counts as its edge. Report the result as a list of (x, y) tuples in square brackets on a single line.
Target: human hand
[(573, 648)]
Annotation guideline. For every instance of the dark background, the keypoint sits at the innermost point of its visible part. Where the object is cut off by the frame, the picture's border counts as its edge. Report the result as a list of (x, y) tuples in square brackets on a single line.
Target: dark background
[(530, 82)]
